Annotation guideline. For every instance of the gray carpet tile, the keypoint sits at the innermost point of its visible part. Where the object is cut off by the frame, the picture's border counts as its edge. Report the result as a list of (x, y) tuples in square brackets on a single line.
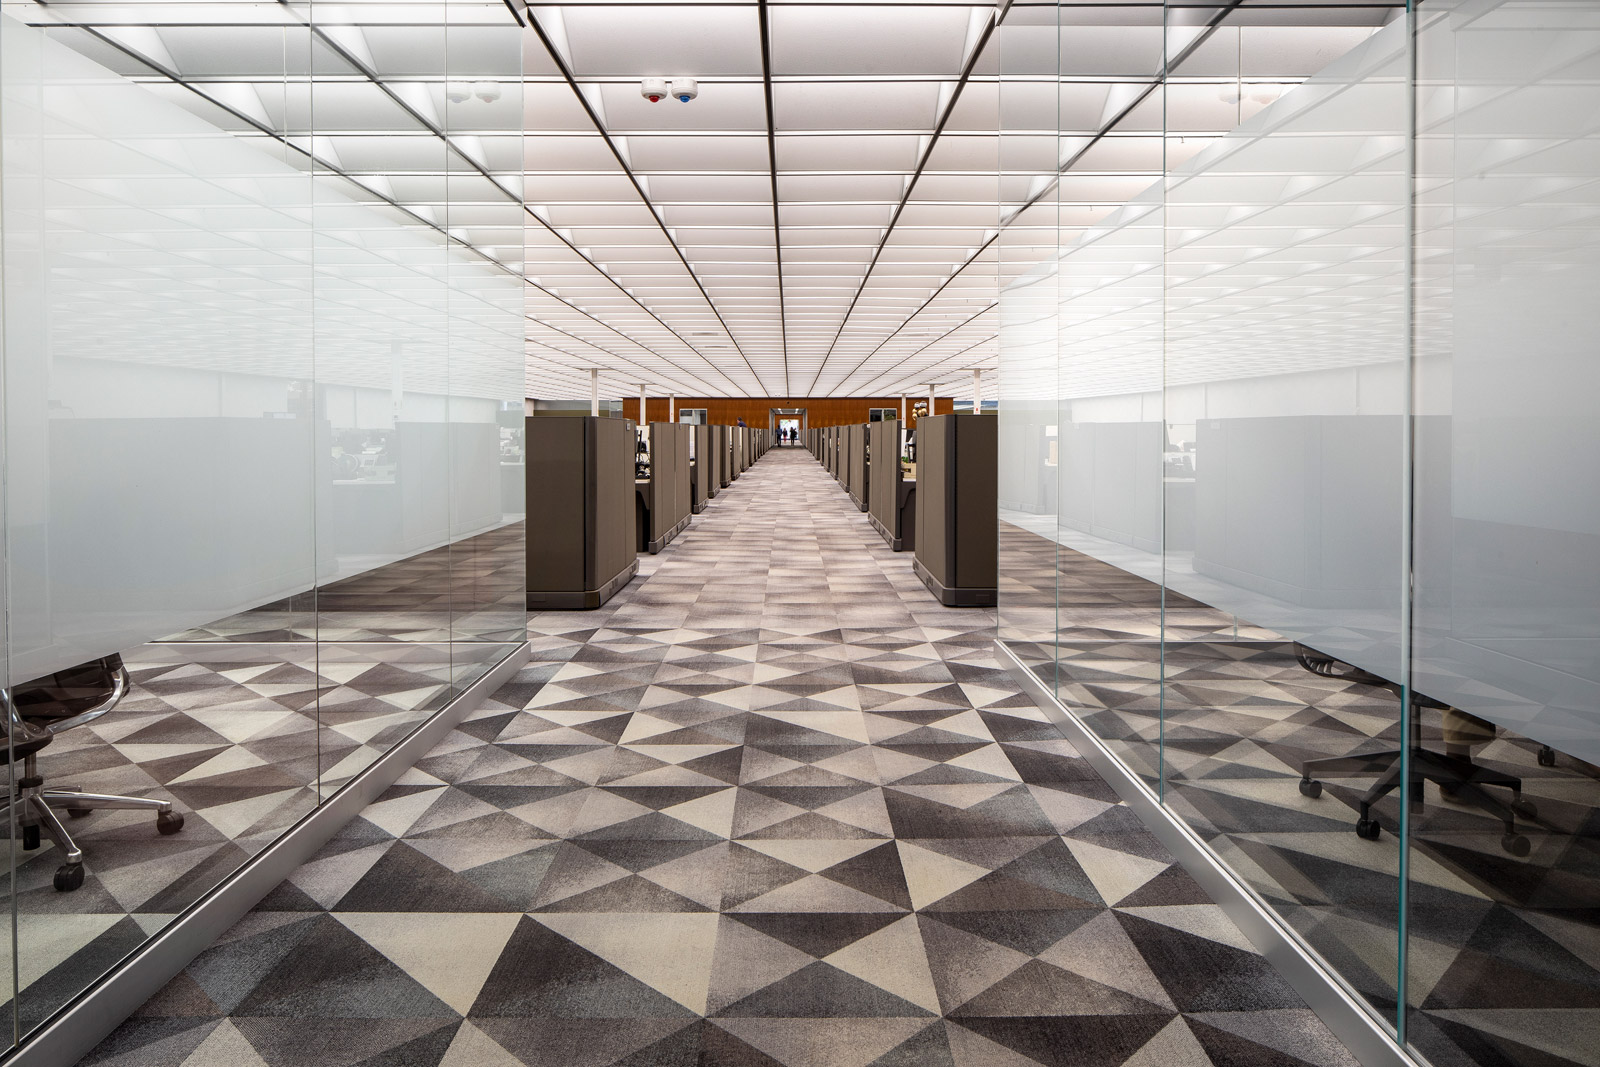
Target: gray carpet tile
[(772, 805)]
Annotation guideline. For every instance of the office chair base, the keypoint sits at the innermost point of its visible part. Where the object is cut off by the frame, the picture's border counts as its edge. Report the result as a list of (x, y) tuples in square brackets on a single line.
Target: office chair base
[(39, 817), (1458, 779)]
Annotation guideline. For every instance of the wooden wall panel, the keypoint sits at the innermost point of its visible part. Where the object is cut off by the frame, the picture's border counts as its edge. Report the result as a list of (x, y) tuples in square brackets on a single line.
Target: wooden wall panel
[(820, 411)]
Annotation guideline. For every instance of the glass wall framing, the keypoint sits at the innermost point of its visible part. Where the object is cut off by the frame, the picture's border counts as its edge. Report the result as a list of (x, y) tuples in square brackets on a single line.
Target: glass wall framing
[(1298, 516), (263, 377)]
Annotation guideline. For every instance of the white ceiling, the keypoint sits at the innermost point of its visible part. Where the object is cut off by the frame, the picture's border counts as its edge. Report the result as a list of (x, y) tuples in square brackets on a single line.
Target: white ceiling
[(841, 243)]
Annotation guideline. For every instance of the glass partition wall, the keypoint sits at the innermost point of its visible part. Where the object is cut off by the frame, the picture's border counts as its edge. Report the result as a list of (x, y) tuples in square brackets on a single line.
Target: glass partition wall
[(263, 376), (1298, 510)]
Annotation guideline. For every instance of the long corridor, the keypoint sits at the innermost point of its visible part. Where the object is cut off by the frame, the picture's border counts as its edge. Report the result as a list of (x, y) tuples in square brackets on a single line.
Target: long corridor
[(770, 806)]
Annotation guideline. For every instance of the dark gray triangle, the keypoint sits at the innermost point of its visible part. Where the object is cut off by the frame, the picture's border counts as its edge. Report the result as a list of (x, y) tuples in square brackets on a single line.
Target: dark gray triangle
[(821, 991), (541, 974), (718, 1048), (927, 1048), (332, 973), (630, 894), (638, 855), (1224, 1047), (227, 972), (1218, 977), (1171, 887), (1026, 931), (652, 827), (820, 934), (429, 1048), (681, 1049), (876, 872), (404, 879), (1038, 988), (1074, 1040)]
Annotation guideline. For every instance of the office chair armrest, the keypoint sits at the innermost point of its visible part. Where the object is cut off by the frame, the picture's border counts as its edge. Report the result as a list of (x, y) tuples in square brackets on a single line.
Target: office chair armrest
[(119, 689)]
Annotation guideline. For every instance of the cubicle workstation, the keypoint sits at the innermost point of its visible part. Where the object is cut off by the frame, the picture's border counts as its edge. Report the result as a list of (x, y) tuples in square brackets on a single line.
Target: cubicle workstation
[(957, 519), (702, 483), (857, 469), (891, 495), (721, 449), (582, 549), (662, 499)]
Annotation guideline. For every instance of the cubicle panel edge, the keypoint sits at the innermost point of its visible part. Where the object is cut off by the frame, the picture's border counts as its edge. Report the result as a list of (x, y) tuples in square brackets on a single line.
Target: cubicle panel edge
[(885, 483), (580, 546), (615, 561), (859, 479), (556, 468), (704, 488), (977, 513), (957, 510)]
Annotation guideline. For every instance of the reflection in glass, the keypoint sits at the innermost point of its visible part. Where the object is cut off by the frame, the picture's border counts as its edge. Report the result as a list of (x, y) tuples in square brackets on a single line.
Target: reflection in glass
[(262, 436), (158, 521), (1326, 519), (1506, 843)]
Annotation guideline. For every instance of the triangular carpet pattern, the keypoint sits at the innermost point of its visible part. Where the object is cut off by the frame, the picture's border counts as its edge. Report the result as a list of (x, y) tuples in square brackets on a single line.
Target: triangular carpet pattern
[(770, 807)]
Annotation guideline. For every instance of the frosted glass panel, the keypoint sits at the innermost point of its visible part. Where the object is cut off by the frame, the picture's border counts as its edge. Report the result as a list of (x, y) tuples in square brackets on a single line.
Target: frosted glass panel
[(259, 507), (1508, 594), (159, 445), (1284, 402), (157, 349), (1029, 53), (1507, 534)]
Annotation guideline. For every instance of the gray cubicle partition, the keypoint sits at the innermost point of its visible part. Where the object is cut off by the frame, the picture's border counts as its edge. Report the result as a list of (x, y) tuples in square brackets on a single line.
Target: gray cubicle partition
[(719, 449), (703, 482), (958, 509), (580, 529), (663, 507), (857, 472), (890, 494)]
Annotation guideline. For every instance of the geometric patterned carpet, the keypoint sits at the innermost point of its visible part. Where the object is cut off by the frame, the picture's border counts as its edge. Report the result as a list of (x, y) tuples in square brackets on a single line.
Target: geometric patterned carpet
[(1503, 950), (244, 725), (770, 806)]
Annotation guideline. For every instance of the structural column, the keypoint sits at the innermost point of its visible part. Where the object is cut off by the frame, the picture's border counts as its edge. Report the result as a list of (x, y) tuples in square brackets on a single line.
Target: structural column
[(594, 390), (902, 409), (930, 398), (977, 390), (672, 407), (642, 422)]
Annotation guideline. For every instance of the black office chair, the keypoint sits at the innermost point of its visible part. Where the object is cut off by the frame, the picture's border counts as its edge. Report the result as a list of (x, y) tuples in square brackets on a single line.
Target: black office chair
[(36, 712), (1452, 770)]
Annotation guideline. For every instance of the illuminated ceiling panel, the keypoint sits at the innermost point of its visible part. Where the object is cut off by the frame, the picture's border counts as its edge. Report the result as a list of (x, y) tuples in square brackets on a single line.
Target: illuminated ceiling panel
[(822, 220)]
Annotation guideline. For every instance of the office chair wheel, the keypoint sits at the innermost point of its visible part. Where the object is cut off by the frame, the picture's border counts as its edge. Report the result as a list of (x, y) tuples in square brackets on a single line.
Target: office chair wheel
[(1310, 788), (69, 876), (1515, 844), (1547, 756), (1448, 789), (1525, 809), (1368, 828), (30, 837), (79, 813), (169, 823)]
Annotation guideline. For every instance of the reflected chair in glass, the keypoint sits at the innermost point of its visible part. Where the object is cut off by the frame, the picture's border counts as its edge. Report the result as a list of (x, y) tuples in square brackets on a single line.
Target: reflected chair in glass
[(37, 712), (1451, 770)]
